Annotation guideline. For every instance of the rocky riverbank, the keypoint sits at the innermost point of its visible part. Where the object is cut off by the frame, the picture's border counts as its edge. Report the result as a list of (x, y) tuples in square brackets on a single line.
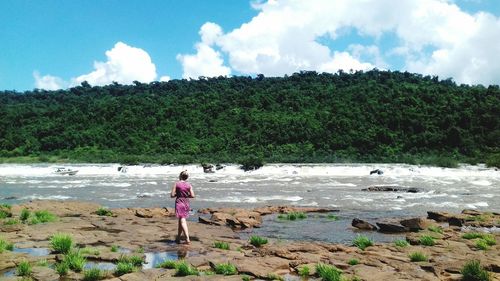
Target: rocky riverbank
[(150, 233)]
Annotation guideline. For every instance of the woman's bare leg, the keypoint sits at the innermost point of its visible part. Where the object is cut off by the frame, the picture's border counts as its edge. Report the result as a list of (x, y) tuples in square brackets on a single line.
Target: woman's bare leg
[(179, 231), (185, 229)]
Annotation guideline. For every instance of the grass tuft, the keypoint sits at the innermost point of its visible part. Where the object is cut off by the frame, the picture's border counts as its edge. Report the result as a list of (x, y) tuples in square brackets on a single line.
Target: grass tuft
[(436, 229), (75, 260), (245, 278), (104, 212), (23, 269), (401, 243), (332, 217), (362, 242), (42, 217), (61, 243), (353, 262), (472, 235), (184, 269), (473, 271), (225, 269), (62, 268), (5, 246), (25, 214), (418, 256), (221, 245), (274, 276), (43, 262), (11, 221), (304, 271), (114, 248), (257, 241), (170, 264), (482, 245), (93, 274), (328, 272), (90, 251), (123, 268), (427, 240)]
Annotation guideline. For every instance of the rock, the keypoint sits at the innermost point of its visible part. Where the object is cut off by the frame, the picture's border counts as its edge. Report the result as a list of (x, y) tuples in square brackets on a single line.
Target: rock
[(10, 198), (219, 166), (392, 188), (415, 224), (472, 212), (376, 171), (208, 168), (439, 216), (455, 221), (205, 220), (43, 273), (391, 227), (361, 224)]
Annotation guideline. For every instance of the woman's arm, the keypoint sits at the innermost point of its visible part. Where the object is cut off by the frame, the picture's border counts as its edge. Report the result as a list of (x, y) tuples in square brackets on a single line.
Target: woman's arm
[(191, 192), (173, 193)]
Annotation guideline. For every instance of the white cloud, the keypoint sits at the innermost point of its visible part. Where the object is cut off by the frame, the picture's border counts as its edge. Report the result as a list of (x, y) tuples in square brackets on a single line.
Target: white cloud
[(430, 36), (124, 65), (165, 78), (48, 82), (207, 61)]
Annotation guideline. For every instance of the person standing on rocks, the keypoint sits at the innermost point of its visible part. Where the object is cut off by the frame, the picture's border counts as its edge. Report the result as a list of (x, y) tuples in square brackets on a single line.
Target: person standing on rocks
[(182, 191)]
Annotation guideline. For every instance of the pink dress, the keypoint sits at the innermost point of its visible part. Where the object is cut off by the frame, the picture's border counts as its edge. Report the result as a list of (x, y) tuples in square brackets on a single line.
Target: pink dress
[(182, 191)]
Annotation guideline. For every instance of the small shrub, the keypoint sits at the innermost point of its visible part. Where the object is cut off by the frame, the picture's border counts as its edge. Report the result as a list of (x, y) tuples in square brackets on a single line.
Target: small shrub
[(245, 278), (123, 268), (5, 246), (427, 240), (401, 243), (221, 245), (436, 229), (257, 241), (304, 271), (473, 271), (353, 262), (104, 212), (23, 269), (472, 235), (418, 256), (10, 222), (328, 272), (61, 243), (184, 269), (251, 162), (140, 250), (136, 260), (5, 211), (114, 248), (225, 269), (62, 268), (482, 245), (489, 239), (75, 260), (362, 242), (281, 217), (93, 274), (25, 214), (170, 264)]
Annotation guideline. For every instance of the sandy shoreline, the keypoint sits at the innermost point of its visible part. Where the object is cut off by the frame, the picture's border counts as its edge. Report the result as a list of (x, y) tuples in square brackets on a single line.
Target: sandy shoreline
[(146, 231)]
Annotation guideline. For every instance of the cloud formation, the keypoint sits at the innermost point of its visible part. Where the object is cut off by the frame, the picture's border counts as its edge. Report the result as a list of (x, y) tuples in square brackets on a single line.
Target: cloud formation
[(48, 82), (429, 36)]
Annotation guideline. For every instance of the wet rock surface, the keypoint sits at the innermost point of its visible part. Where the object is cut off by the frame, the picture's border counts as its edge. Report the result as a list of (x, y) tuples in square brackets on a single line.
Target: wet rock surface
[(147, 230)]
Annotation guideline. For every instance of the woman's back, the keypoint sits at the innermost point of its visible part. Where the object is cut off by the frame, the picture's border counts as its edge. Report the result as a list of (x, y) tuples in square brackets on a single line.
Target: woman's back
[(182, 189)]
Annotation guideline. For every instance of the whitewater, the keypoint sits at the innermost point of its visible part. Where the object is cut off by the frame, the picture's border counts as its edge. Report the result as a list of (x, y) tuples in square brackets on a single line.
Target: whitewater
[(322, 185)]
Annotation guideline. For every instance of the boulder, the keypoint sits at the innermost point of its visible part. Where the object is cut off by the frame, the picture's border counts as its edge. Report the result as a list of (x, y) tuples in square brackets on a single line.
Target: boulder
[(438, 216), (391, 227), (391, 188), (361, 224), (416, 224)]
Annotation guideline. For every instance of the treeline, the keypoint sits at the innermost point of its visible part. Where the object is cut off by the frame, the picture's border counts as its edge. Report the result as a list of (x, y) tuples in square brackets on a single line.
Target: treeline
[(374, 116)]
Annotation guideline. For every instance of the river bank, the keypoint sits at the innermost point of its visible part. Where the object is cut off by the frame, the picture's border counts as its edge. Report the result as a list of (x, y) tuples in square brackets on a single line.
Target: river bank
[(150, 233)]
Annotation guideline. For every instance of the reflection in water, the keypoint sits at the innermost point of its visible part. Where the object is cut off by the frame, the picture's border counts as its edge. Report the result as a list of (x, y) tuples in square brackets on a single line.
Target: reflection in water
[(154, 258), (101, 265)]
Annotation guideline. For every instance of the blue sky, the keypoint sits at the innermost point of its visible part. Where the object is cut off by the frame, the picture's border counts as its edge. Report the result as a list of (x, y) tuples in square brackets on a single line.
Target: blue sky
[(55, 44)]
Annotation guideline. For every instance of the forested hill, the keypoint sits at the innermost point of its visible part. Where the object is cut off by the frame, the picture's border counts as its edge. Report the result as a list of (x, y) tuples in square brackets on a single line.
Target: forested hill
[(305, 117)]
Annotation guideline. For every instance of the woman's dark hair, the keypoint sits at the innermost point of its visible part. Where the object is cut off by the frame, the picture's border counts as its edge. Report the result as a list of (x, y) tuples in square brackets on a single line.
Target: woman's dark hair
[(183, 175)]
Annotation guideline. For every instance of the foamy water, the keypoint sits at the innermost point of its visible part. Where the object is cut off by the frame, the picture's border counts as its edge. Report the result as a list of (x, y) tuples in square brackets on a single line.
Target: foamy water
[(323, 185)]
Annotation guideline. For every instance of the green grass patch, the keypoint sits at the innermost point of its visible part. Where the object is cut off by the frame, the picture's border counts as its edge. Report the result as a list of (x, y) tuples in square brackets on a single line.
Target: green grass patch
[(43, 262), (5, 246), (140, 250), (257, 241), (42, 217), (328, 272), (170, 264), (221, 245), (281, 217), (114, 248), (25, 214), (62, 268), (362, 242), (245, 278), (104, 212), (489, 239), (61, 243), (436, 229), (353, 262), (90, 251), (472, 235), (401, 243), (93, 274), (75, 260), (418, 256), (332, 217), (225, 269), (482, 245), (24, 269), (295, 216), (274, 276), (479, 218), (5, 211), (427, 240), (473, 271), (304, 271), (11, 221), (124, 268), (184, 269), (134, 260)]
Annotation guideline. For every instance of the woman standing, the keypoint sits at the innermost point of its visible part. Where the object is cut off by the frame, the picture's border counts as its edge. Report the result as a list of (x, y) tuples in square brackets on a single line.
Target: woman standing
[(182, 191)]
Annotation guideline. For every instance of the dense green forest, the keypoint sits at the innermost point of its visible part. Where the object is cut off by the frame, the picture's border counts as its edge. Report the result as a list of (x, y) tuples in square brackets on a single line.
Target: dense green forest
[(373, 116)]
